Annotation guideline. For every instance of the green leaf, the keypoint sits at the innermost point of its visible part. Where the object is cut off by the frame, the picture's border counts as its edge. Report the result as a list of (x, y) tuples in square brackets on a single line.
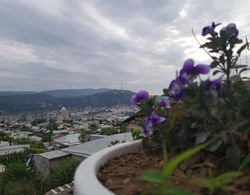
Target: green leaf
[(222, 59), (245, 163), (209, 45), (214, 64), (218, 182), (221, 179), (177, 191), (173, 164), (216, 72), (152, 175), (244, 69), (215, 146), (242, 48), (202, 137), (239, 66)]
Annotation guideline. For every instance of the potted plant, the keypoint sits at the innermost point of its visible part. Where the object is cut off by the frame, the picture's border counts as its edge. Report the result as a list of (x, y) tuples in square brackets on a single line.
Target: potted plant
[(201, 124)]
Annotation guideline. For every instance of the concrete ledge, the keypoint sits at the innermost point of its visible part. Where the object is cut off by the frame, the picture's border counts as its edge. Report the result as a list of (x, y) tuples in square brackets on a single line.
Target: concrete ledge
[(85, 180)]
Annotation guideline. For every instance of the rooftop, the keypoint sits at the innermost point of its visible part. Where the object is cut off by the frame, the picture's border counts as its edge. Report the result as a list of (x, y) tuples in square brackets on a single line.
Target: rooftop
[(12, 149), (54, 154), (69, 139), (91, 147)]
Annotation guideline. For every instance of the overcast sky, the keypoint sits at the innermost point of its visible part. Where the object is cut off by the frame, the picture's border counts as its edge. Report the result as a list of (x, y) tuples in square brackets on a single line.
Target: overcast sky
[(63, 44)]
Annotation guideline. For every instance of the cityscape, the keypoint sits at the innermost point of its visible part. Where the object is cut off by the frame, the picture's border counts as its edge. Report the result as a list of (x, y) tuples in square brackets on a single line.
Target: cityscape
[(51, 137)]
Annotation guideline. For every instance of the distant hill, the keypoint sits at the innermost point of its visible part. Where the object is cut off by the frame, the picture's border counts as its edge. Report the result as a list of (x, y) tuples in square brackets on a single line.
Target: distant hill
[(108, 98), (6, 93), (43, 102), (59, 92), (74, 92), (26, 102)]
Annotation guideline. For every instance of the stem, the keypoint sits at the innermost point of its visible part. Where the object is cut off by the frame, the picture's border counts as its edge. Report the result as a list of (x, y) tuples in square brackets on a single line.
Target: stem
[(206, 108), (165, 152), (201, 44)]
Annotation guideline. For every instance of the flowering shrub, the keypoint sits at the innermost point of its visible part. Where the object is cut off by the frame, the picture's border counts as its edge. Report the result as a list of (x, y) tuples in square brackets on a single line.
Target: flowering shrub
[(192, 111)]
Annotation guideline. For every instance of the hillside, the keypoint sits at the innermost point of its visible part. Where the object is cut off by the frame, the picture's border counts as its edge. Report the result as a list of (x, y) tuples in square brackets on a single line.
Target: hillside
[(108, 98), (43, 102), (74, 92)]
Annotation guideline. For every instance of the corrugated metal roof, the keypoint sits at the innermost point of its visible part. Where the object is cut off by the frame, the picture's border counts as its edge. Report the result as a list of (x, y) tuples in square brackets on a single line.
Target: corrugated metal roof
[(68, 139), (95, 136), (12, 149), (91, 147), (54, 154), (4, 144)]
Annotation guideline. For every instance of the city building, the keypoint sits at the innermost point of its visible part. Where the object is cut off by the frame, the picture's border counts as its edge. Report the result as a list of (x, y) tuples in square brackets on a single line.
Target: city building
[(45, 161), (63, 114)]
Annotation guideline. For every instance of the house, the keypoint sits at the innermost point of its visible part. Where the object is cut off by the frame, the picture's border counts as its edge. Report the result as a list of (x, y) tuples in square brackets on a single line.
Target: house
[(45, 161), (67, 140), (86, 149), (6, 150)]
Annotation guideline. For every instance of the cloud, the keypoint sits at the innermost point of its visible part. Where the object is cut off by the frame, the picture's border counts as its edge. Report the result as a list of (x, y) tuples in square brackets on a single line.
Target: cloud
[(77, 44)]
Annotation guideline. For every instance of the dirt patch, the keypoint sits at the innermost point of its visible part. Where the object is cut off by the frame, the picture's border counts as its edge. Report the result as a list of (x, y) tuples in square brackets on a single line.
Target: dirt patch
[(121, 175)]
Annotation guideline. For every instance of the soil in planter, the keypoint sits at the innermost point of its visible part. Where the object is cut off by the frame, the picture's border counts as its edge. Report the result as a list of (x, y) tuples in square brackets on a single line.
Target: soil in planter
[(121, 175)]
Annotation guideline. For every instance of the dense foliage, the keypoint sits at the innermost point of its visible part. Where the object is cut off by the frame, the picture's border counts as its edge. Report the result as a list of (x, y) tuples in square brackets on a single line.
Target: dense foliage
[(62, 174), (19, 178)]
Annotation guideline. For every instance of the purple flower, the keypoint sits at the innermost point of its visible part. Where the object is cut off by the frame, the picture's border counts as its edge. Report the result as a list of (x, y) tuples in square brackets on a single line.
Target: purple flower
[(163, 101), (210, 30), (186, 75), (148, 129), (223, 30), (205, 31), (214, 85), (139, 96), (153, 119), (189, 68), (175, 89), (156, 119), (201, 69), (230, 30)]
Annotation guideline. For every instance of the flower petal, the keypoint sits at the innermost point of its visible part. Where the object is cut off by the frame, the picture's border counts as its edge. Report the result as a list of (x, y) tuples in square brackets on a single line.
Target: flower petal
[(175, 89), (148, 129), (213, 85), (139, 96), (201, 69), (205, 31), (188, 66), (163, 101), (156, 119)]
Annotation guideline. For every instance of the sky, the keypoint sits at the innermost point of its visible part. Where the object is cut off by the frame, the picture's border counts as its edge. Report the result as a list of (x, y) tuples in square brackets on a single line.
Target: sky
[(72, 44)]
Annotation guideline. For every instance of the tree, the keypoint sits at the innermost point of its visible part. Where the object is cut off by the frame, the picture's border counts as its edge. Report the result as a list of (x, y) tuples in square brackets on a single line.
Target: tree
[(109, 131), (19, 179), (17, 172), (37, 147), (83, 136), (4, 136), (22, 140), (16, 157), (19, 187), (52, 125), (62, 173), (93, 127), (46, 137)]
